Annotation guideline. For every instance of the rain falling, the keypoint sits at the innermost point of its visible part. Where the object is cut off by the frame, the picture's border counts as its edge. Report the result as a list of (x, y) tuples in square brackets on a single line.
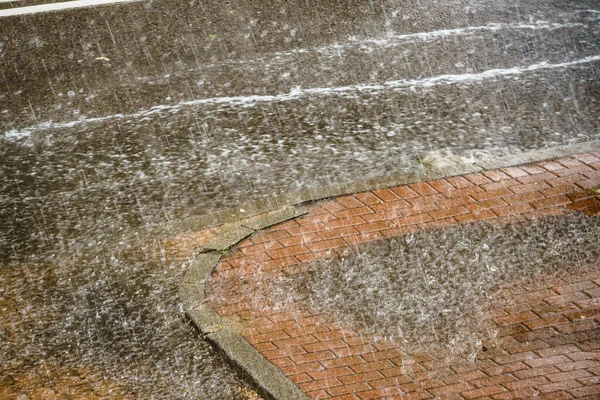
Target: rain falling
[(119, 120)]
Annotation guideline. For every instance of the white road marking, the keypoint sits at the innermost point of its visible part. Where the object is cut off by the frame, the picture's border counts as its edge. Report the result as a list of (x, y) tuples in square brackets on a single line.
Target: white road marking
[(296, 93), (9, 1), (393, 40), (67, 5)]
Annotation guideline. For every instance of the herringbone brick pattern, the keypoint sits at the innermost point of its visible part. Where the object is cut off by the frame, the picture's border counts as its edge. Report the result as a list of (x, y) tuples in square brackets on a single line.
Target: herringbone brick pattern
[(548, 342)]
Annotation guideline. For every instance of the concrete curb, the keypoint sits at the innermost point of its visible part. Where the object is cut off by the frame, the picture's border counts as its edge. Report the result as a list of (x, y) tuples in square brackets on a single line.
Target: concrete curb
[(237, 225), (267, 378), (403, 178)]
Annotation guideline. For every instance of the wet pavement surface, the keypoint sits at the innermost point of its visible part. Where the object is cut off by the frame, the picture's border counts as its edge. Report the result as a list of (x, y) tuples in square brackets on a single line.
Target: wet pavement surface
[(119, 119), (436, 289), (410, 290)]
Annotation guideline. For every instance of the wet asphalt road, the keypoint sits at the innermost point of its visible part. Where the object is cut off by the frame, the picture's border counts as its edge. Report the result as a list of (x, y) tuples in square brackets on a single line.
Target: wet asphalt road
[(118, 118)]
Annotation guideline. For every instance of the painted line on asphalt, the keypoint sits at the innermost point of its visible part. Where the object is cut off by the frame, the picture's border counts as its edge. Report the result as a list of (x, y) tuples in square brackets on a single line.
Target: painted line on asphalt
[(395, 40), (391, 41), (297, 93), (67, 5)]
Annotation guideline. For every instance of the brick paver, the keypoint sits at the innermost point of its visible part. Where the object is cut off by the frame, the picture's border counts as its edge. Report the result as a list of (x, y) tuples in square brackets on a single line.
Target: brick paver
[(548, 342)]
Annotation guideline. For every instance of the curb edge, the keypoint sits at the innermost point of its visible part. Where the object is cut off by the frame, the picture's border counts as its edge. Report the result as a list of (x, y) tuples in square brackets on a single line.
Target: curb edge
[(267, 378)]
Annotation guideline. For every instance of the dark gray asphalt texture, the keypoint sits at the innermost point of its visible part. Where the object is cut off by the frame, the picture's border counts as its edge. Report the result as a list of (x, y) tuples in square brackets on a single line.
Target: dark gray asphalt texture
[(120, 118)]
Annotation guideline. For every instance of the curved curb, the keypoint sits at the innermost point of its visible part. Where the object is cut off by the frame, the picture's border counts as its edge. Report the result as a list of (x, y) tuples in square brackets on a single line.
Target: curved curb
[(237, 225), (253, 208), (267, 378)]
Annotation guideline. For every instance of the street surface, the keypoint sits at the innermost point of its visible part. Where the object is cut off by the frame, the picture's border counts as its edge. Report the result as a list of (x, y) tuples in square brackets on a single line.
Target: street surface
[(119, 119)]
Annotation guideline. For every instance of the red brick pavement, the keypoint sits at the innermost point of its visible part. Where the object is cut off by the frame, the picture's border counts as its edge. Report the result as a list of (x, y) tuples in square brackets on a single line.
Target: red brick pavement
[(548, 342)]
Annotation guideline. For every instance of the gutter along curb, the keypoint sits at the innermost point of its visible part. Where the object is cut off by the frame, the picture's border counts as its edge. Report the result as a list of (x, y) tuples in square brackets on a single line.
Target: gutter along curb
[(236, 225)]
